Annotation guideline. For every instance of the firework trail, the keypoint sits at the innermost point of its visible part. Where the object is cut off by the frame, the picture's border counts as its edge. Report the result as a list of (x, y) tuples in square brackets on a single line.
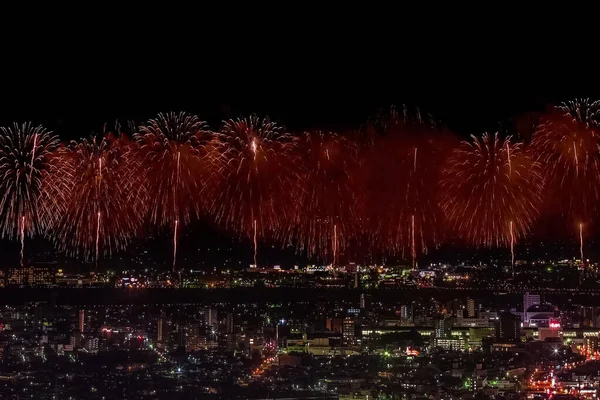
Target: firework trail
[(400, 165), (568, 147), (177, 162), (175, 229), (255, 192), (581, 242), (255, 243), (104, 209), (335, 239), (326, 206), (512, 247), (28, 205), (491, 191)]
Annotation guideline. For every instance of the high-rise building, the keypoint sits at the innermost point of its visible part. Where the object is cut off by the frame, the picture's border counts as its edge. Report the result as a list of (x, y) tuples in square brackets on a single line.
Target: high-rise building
[(348, 330), (471, 308), (362, 301), (405, 311), (193, 341), (334, 325), (530, 300), (508, 328), (443, 326), (230, 322), (75, 339), (81, 321), (159, 329), (210, 318), (91, 344)]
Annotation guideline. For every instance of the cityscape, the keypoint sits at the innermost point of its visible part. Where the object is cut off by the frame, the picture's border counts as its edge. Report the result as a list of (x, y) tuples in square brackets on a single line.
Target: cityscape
[(310, 331), (198, 249)]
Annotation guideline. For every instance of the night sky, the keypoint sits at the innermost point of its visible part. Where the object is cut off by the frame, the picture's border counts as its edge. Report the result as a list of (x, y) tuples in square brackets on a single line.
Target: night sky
[(75, 90)]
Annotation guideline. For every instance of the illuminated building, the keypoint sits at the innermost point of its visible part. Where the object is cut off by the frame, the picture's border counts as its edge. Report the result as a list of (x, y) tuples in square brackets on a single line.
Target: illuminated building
[(443, 326), (539, 315), (193, 340), (348, 331), (450, 343), (159, 328), (32, 276), (91, 344), (405, 312), (471, 308), (530, 300), (81, 321), (210, 317)]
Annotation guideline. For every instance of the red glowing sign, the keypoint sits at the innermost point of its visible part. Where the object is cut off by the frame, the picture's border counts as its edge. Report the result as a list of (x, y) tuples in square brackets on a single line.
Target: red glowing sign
[(411, 352)]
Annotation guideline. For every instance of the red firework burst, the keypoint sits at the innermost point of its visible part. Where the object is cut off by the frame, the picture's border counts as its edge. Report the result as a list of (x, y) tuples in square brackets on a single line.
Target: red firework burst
[(28, 204), (401, 206), (569, 151), (491, 191), (326, 206), (177, 165), (256, 189), (106, 202)]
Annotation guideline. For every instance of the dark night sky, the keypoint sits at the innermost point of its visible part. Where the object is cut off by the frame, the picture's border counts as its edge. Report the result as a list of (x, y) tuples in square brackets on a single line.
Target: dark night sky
[(332, 82)]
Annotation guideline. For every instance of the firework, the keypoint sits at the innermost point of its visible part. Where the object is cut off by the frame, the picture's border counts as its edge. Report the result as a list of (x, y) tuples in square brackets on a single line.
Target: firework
[(491, 191), (176, 162), (28, 205), (256, 189), (402, 210), (326, 210), (582, 110), (106, 199), (568, 147)]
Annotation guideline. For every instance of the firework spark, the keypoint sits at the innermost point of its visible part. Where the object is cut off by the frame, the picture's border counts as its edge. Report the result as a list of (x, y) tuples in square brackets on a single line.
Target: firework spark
[(103, 211), (491, 191), (177, 163), (255, 191), (28, 206)]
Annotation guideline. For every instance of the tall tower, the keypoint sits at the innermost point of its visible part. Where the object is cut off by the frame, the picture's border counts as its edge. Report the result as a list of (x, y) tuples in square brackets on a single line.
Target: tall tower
[(471, 308), (210, 317), (230, 322), (159, 336), (81, 322)]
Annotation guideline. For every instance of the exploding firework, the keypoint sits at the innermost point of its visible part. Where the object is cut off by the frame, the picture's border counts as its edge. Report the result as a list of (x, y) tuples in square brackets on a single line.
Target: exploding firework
[(255, 194), (176, 162), (105, 207), (491, 191), (568, 147), (28, 205), (402, 210), (326, 207), (582, 110)]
